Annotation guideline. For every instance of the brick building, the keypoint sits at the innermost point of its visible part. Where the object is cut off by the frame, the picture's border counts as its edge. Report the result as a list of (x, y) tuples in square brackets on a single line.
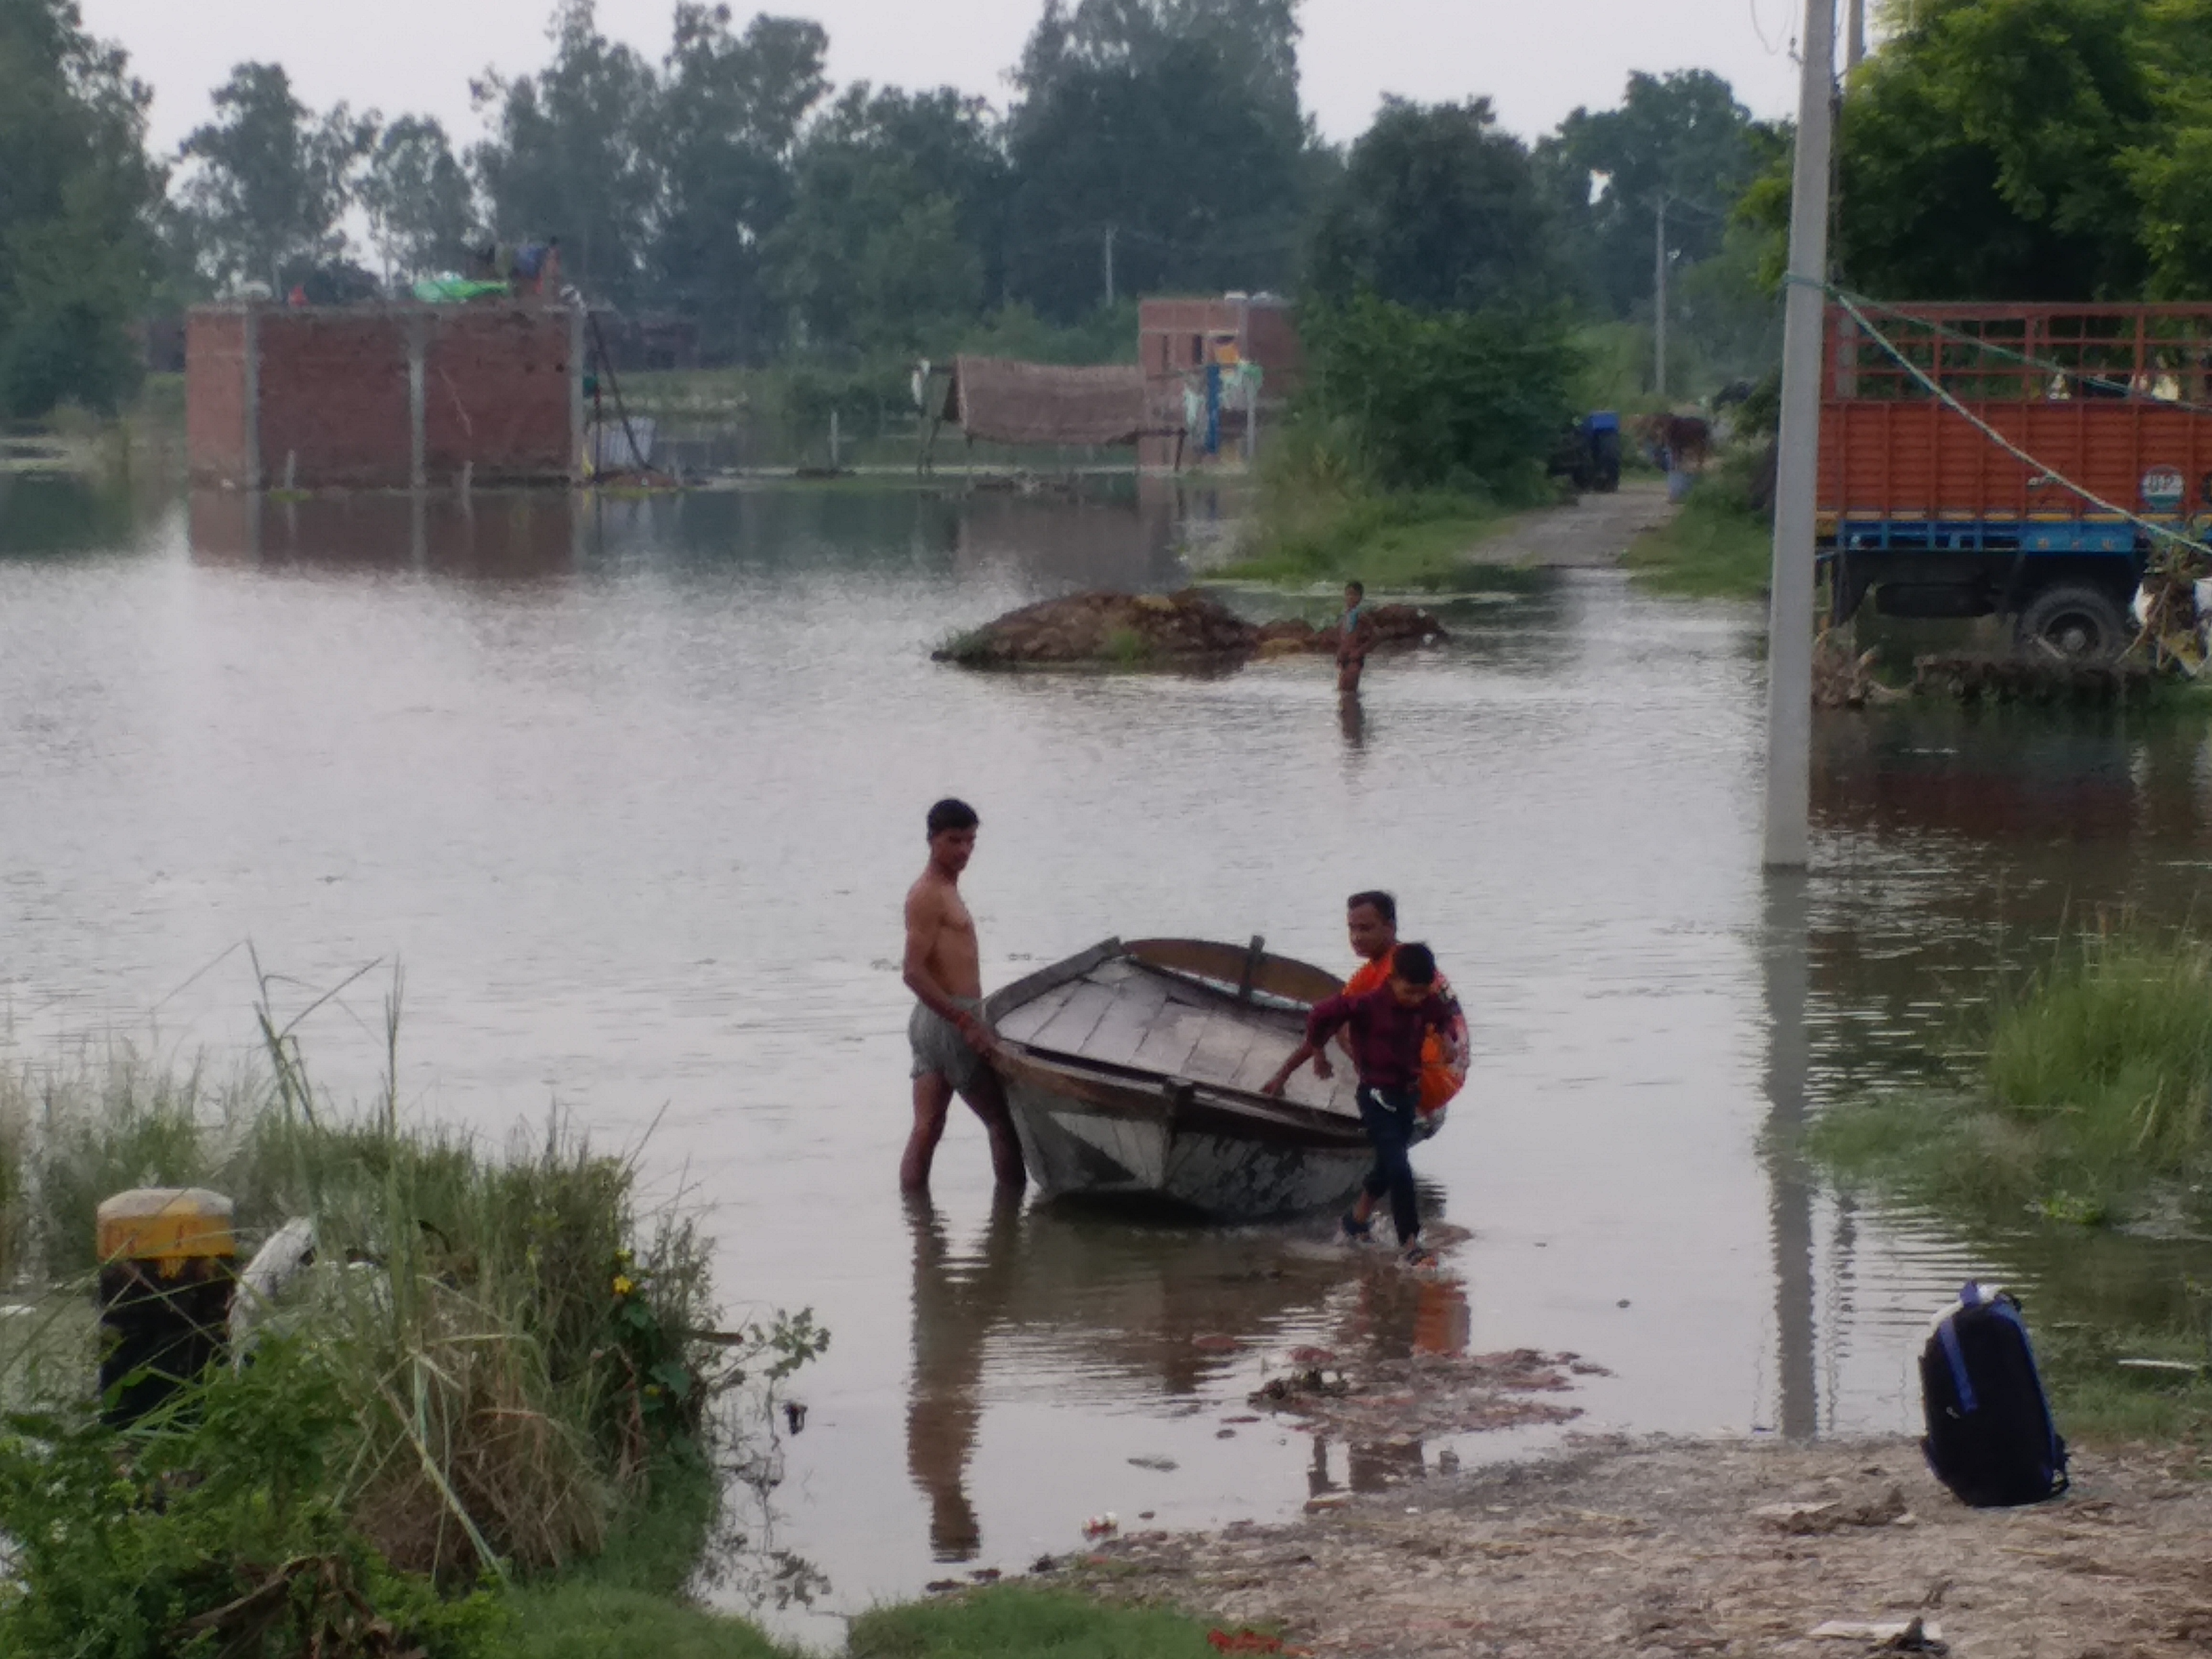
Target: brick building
[(1176, 340), (390, 397)]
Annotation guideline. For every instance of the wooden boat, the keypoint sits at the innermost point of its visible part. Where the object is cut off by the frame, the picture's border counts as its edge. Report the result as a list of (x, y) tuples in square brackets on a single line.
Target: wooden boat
[(1134, 1071)]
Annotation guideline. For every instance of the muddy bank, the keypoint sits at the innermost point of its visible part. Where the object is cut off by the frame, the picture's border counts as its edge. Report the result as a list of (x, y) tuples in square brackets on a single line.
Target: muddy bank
[(1650, 1548), (1189, 627)]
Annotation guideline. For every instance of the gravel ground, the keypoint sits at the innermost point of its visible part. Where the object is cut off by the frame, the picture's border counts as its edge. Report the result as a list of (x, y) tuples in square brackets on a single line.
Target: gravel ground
[(1668, 1547)]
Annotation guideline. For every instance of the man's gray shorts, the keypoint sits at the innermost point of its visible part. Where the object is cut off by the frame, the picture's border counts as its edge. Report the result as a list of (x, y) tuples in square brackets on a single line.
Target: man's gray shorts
[(939, 1047)]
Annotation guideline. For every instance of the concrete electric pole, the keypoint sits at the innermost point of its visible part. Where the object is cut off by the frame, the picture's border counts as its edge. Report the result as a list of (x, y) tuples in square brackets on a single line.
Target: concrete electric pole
[(1659, 300), (1789, 620), (1110, 267), (1853, 34)]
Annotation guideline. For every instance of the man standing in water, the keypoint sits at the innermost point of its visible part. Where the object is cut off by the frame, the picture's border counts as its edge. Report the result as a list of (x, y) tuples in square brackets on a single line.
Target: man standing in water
[(951, 1042), (1352, 632)]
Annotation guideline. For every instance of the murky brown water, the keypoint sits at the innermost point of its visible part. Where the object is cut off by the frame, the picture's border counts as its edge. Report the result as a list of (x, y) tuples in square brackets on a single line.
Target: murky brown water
[(635, 791)]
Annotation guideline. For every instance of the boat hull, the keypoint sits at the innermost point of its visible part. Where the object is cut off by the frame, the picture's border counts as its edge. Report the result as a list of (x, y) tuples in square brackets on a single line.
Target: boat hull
[(1087, 1136)]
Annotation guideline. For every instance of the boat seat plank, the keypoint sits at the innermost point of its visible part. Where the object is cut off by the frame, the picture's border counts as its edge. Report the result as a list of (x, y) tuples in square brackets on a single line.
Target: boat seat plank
[(1221, 1048), (1022, 1023), (1136, 1003), (1071, 1026), (1175, 1033)]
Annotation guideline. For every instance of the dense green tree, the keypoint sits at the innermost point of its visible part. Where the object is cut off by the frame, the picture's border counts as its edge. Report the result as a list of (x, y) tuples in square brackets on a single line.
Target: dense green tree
[(1433, 398), (1985, 153), (1681, 139), (730, 108), (270, 180), (568, 156), (76, 195), (1172, 125), (1438, 210), (422, 211), (892, 233)]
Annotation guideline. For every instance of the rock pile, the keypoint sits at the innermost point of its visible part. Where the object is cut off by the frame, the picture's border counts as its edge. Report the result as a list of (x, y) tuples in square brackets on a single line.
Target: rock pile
[(1134, 629)]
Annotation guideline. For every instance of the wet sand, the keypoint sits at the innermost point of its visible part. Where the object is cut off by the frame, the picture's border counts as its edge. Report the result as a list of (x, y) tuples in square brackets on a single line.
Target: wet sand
[(1661, 1548), (1591, 535)]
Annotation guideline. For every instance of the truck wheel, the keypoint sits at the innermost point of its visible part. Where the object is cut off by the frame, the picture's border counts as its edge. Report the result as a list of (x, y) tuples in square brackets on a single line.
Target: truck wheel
[(2074, 622)]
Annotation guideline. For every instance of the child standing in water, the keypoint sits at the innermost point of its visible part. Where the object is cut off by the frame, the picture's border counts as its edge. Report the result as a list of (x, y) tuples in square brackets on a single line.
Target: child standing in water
[(1352, 631), (1386, 1027)]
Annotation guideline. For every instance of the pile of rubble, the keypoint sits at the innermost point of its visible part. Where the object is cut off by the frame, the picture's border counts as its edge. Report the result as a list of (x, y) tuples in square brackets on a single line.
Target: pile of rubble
[(1170, 629)]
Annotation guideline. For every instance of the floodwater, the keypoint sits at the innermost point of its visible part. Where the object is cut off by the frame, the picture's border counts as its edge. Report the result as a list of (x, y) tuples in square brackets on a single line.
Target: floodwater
[(635, 791)]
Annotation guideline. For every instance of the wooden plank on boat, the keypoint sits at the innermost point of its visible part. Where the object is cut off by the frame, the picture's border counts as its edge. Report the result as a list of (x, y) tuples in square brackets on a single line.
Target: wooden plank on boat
[(1176, 1031), (1137, 1003), (1270, 1048), (1071, 1027), (1033, 985), (1221, 1048), (1022, 1024)]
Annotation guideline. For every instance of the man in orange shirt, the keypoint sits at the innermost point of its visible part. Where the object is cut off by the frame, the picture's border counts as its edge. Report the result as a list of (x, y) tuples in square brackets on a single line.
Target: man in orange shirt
[(1370, 919)]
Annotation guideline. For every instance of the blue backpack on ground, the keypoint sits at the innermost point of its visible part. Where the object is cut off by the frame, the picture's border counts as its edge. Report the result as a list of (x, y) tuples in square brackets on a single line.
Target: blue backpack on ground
[(1990, 1435)]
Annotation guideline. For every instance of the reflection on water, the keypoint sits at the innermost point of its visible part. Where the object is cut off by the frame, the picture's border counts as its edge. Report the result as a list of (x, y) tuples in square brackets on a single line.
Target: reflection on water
[(634, 785)]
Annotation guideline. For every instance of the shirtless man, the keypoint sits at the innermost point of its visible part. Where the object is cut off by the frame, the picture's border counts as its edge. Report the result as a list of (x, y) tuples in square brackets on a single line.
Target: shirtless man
[(951, 1043)]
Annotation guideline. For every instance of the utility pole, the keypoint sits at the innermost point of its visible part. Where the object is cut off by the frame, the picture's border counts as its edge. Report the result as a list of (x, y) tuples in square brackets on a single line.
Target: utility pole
[(1110, 267), (1853, 34), (1789, 619), (1659, 299)]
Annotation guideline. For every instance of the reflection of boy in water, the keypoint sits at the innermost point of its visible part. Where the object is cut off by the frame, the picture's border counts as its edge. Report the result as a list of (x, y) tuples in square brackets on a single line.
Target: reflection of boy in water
[(955, 1306)]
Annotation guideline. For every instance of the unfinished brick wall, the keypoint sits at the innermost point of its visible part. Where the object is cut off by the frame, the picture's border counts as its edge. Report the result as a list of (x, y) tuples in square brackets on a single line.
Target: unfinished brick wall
[(216, 395), (382, 397)]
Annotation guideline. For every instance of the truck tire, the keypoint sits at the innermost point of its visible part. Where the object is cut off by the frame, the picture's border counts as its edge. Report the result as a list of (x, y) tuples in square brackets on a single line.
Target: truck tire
[(2074, 622)]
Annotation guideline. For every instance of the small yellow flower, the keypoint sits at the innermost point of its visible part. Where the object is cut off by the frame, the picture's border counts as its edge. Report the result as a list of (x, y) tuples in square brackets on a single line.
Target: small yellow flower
[(624, 1284)]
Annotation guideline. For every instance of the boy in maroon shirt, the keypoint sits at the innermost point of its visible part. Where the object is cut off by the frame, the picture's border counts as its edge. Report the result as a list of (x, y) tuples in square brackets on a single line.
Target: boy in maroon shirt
[(1386, 1029)]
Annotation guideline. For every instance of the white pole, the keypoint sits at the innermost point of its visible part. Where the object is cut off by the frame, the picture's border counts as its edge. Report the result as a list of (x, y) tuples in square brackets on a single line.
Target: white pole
[(1110, 267), (1853, 34), (1659, 301), (1789, 620)]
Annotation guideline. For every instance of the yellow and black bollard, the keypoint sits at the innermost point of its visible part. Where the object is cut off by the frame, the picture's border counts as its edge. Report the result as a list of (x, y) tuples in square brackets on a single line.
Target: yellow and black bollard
[(168, 1265)]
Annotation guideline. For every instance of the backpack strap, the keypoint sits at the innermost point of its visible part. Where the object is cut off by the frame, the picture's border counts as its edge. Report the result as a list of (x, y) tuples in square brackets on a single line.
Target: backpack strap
[(1948, 1334)]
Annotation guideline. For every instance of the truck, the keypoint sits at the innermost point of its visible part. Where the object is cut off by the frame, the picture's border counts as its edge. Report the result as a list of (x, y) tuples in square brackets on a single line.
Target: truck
[(2030, 491)]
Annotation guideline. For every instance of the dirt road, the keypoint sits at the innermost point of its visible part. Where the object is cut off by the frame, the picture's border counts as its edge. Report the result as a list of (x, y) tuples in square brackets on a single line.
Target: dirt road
[(1590, 535), (1651, 1549)]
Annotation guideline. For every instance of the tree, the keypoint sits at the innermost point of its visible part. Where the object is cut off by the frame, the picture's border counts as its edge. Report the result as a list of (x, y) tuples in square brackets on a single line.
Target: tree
[(1172, 125), (1681, 139), (270, 180), (1438, 210), (897, 203), (566, 155), (420, 206), (77, 192), (1993, 150), (1442, 398), (730, 109)]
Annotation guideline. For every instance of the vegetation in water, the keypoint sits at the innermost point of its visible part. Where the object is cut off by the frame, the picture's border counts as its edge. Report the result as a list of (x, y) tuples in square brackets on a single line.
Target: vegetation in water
[(2085, 1112)]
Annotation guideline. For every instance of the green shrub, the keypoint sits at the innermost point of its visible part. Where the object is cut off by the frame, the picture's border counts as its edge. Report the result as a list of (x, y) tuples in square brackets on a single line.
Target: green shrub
[(1463, 401), (220, 1526)]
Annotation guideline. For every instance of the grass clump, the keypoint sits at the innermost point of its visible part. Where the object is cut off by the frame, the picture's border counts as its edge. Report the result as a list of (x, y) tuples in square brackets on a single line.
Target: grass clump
[(1321, 518), (1718, 546), (1010, 1622), (495, 1366), (2092, 1103)]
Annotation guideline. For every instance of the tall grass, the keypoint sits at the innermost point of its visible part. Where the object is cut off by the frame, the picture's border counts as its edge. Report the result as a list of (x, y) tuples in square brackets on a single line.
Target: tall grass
[(2092, 1103), (522, 1352), (1321, 517)]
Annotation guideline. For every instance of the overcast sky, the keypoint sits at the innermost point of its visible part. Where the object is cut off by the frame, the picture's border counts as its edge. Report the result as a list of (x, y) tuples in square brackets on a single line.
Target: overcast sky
[(1536, 59)]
